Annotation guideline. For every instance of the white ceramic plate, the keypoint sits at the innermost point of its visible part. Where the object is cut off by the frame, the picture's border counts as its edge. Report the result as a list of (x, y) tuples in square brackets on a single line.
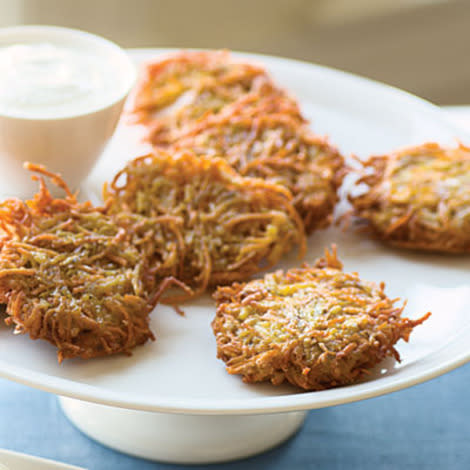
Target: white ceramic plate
[(180, 373), (15, 461)]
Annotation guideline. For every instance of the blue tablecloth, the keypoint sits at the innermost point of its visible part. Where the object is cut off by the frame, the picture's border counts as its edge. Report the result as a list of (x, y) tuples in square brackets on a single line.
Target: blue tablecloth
[(424, 427)]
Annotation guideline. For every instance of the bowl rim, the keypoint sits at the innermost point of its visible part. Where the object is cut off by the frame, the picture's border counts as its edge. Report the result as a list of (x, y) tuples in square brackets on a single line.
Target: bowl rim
[(106, 47)]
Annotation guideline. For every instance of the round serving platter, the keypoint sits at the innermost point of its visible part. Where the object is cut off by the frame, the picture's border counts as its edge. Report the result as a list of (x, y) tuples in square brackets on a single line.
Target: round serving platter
[(179, 372)]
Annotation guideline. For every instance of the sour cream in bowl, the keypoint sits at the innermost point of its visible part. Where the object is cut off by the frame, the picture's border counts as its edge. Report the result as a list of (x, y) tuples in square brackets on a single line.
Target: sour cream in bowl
[(61, 94)]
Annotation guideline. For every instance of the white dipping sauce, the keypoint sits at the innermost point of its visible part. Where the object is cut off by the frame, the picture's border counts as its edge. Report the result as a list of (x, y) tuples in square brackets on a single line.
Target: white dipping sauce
[(45, 80)]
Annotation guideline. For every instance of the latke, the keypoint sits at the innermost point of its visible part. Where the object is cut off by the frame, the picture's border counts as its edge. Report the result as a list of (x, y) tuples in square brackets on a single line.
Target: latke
[(316, 327)]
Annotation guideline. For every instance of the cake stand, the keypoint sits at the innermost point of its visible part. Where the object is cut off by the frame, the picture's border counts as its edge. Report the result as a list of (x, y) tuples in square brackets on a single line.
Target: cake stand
[(172, 400)]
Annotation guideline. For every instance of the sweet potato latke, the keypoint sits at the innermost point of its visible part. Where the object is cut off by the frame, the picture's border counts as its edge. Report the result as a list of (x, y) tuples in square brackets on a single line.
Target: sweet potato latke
[(278, 148), (418, 198), (316, 327), (177, 91), (76, 277), (230, 227)]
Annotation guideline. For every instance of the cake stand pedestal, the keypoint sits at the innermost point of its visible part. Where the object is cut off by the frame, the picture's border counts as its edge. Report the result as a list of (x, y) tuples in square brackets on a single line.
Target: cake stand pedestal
[(180, 438)]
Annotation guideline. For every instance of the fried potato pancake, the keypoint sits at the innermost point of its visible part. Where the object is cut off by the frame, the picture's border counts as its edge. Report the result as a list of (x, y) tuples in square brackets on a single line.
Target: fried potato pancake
[(316, 327), (230, 226), (418, 198), (175, 92), (74, 276), (278, 148)]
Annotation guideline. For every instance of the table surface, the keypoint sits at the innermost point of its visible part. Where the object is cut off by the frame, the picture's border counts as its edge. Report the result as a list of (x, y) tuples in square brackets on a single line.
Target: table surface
[(425, 426)]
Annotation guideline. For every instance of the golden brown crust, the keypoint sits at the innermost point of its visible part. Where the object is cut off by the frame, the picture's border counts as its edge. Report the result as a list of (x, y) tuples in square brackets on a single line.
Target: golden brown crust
[(76, 277), (316, 327), (277, 147), (230, 227), (418, 198)]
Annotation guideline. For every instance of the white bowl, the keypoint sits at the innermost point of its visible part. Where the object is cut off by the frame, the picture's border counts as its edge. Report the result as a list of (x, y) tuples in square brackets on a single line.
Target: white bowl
[(70, 143)]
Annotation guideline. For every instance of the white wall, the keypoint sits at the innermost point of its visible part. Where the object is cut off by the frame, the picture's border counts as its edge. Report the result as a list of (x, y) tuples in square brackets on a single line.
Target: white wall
[(11, 12)]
